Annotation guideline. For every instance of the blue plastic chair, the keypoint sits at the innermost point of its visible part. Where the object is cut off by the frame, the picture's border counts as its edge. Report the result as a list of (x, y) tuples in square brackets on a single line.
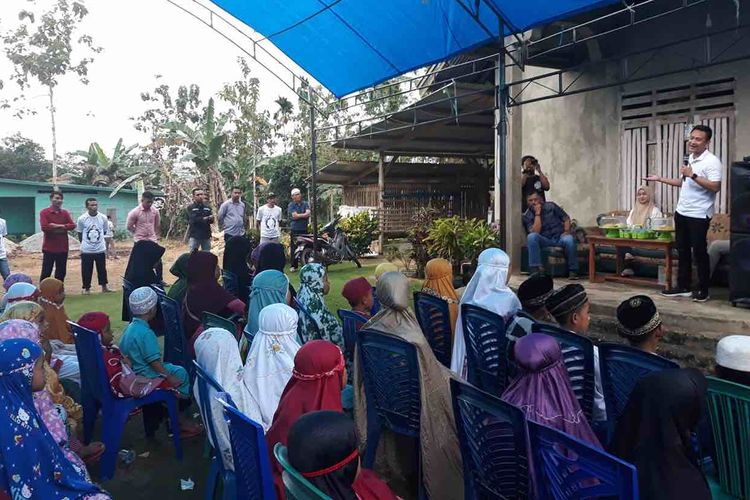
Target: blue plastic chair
[(494, 444), (127, 289), (352, 322), (249, 453), (486, 348), (621, 367), (578, 356), (96, 395), (568, 469), (391, 379), (434, 317), (175, 350), (206, 384), (304, 335), (230, 283), (375, 302)]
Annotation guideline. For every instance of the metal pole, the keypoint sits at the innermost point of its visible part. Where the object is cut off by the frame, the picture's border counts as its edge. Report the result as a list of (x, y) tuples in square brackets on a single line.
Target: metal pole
[(501, 132), (313, 165)]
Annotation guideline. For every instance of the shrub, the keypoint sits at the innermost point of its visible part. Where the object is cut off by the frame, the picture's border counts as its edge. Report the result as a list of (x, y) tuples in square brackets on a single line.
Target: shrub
[(361, 229), (422, 221), (460, 240)]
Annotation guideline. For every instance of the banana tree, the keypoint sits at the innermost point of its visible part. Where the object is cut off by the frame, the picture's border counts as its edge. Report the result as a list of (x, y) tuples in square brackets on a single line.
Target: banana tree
[(205, 140), (103, 170)]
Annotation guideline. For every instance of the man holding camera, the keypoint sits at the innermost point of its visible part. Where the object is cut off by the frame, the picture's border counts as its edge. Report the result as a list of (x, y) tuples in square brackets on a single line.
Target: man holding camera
[(532, 180)]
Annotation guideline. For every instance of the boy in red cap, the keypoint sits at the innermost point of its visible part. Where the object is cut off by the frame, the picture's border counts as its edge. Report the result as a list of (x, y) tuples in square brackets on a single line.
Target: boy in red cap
[(358, 292)]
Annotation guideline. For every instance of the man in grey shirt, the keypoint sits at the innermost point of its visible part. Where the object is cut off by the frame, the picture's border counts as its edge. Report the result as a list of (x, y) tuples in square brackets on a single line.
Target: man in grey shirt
[(232, 215)]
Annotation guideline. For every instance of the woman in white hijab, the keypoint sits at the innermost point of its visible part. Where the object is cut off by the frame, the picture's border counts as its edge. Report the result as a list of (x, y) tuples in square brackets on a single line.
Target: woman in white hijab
[(217, 352), (270, 361), (489, 290)]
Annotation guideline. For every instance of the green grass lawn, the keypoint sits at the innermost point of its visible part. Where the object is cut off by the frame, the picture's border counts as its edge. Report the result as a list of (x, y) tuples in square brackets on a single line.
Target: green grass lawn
[(111, 303)]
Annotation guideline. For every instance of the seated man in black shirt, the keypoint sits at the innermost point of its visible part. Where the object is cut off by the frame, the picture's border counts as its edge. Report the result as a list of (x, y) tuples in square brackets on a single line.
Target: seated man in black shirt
[(532, 179), (548, 226)]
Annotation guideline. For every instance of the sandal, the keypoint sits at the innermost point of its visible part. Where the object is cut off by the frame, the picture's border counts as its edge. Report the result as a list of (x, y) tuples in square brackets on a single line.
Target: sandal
[(191, 431), (95, 451)]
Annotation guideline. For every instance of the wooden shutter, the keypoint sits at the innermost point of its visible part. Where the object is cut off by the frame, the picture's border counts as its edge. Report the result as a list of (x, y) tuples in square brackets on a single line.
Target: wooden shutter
[(634, 163)]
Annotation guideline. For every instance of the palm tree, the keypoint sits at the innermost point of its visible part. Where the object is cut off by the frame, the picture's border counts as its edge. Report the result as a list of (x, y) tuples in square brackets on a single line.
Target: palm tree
[(205, 140), (103, 170), (284, 113)]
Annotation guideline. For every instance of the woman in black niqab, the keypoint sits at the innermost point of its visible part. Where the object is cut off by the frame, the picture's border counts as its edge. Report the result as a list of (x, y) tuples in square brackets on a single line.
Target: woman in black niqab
[(654, 434)]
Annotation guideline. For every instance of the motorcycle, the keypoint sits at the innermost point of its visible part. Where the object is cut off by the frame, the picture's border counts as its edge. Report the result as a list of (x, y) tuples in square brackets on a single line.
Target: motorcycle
[(332, 248)]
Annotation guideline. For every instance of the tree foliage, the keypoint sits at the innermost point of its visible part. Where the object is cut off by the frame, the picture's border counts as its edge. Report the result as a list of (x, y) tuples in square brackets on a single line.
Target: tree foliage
[(99, 169), (22, 158)]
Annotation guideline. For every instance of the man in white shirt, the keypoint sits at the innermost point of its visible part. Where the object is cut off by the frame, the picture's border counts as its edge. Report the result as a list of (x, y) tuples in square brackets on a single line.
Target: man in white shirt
[(4, 267), (269, 219), (93, 228), (700, 180)]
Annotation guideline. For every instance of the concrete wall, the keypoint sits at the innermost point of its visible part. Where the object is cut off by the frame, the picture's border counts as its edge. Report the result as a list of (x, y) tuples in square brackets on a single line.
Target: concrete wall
[(15, 200), (576, 140)]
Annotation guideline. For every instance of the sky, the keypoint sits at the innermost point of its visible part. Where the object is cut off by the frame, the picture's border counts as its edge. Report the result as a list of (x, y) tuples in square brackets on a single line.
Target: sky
[(140, 39)]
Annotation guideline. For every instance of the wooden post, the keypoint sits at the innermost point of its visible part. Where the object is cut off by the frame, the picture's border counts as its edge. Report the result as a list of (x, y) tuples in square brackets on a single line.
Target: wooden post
[(381, 202)]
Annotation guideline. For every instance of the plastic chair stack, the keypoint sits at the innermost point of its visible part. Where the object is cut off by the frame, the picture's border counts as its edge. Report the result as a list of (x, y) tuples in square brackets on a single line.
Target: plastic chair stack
[(303, 334), (391, 379), (295, 485), (434, 318), (96, 395), (566, 467), (175, 350), (729, 411), (351, 322), (230, 283), (486, 348), (578, 356), (249, 453), (208, 388), (494, 443), (621, 367)]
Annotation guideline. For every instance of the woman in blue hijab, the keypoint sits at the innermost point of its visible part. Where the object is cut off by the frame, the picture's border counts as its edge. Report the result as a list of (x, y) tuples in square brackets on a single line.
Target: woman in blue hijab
[(32, 465), (269, 287)]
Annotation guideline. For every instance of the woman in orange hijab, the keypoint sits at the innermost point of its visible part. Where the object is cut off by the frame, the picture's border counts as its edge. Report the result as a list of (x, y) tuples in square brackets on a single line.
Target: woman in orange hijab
[(52, 299), (439, 283)]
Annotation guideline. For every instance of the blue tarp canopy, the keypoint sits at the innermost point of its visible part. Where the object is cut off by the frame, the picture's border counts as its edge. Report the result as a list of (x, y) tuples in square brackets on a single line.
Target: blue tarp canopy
[(348, 45)]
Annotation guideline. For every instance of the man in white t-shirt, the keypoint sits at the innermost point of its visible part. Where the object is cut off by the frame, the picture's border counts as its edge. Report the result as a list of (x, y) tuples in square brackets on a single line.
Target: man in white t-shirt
[(93, 229), (700, 180), (4, 267), (269, 220)]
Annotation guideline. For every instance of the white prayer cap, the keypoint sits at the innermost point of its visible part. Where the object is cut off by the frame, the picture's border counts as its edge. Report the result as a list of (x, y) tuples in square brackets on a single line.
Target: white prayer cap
[(142, 300), (296, 191), (733, 352)]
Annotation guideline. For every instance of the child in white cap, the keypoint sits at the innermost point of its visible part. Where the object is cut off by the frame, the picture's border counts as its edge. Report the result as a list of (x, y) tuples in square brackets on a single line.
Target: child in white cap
[(139, 344), (733, 359)]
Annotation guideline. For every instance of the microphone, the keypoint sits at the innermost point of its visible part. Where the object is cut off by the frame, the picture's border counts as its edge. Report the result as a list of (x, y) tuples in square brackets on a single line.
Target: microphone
[(685, 162)]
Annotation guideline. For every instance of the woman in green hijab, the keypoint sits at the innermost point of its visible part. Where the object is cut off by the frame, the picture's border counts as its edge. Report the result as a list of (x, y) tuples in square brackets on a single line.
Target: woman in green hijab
[(179, 270)]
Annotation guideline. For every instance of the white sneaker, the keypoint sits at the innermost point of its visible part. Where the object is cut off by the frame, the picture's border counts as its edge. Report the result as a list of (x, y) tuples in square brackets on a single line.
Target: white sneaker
[(627, 273)]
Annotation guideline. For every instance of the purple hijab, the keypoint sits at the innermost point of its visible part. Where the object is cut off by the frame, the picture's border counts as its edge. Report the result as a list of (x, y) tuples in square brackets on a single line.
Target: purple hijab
[(542, 389)]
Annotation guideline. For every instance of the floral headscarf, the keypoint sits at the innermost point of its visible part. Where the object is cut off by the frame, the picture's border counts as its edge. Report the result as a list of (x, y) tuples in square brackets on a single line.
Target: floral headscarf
[(37, 468), (312, 282)]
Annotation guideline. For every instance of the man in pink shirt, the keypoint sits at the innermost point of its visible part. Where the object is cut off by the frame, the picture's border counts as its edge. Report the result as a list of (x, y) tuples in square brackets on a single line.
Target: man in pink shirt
[(144, 224)]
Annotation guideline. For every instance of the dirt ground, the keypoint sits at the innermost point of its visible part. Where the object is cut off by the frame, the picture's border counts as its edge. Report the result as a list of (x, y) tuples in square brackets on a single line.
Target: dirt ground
[(31, 264)]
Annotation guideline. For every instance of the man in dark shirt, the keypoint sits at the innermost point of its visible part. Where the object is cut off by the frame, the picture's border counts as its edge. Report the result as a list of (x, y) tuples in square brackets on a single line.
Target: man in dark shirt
[(532, 180), (299, 214), (548, 226), (199, 221), (55, 223)]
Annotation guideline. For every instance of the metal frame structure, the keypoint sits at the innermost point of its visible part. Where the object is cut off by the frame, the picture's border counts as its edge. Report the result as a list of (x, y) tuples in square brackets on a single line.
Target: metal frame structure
[(516, 51)]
